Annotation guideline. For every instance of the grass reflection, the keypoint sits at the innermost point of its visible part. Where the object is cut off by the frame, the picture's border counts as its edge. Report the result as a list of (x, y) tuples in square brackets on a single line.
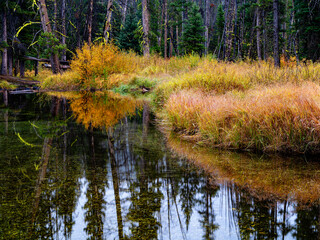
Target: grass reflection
[(265, 177)]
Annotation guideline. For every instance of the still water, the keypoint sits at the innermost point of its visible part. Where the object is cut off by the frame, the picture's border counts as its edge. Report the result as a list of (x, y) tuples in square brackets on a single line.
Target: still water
[(94, 166)]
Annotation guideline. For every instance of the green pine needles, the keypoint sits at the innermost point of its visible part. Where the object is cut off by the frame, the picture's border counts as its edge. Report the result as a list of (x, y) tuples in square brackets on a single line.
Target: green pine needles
[(192, 36)]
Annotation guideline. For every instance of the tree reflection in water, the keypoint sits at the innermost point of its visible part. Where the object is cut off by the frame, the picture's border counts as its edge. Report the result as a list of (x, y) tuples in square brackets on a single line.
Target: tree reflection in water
[(104, 181)]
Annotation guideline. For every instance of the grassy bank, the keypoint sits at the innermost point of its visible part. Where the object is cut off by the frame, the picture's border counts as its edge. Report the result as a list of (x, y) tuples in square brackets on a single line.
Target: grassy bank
[(241, 105)]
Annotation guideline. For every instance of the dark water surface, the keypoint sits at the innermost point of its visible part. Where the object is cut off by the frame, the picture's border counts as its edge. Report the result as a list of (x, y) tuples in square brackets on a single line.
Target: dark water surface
[(67, 172)]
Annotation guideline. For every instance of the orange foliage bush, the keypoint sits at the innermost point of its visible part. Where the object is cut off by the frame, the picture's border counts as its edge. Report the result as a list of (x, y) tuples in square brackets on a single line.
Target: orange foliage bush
[(96, 63)]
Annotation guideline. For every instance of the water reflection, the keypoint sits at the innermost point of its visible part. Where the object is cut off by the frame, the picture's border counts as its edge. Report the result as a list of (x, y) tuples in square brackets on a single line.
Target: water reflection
[(71, 181)]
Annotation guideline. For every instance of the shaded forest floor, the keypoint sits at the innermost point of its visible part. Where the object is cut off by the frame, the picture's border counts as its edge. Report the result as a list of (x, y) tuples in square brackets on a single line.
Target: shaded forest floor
[(243, 105)]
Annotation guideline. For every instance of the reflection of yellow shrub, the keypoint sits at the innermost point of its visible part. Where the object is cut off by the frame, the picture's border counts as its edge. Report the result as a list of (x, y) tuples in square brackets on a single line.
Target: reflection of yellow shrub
[(98, 110)]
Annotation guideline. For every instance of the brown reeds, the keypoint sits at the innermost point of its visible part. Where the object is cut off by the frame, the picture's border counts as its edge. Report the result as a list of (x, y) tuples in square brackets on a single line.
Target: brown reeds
[(284, 118)]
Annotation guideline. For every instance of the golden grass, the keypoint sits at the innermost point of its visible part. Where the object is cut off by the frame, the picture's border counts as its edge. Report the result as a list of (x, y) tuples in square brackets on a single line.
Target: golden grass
[(284, 118), (221, 77), (265, 178), (68, 80), (6, 85)]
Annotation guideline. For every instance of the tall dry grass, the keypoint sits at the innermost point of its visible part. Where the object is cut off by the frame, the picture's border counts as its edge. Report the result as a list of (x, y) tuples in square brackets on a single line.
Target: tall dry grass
[(221, 77), (284, 118)]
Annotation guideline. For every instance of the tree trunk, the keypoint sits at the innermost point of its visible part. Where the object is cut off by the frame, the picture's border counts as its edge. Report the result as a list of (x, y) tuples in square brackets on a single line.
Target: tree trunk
[(264, 36), (124, 13), (63, 28), (207, 24), (276, 33), (177, 38), (22, 68), (145, 24), (258, 32), (229, 29), (90, 14), (10, 61), (4, 70), (47, 28), (108, 20), (171, 41), (55, 13), (165, 28)]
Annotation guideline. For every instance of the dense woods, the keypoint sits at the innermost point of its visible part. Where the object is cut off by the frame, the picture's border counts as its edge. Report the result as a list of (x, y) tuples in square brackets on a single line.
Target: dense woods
[(226, 29)]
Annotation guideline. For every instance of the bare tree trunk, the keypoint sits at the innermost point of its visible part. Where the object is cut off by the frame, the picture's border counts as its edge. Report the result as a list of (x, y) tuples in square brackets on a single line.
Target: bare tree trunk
[(165, 28), (47, 28), (124, 12), (229, 29), (160, 28), (258, 32), (145, 24), (207, 24), (264, 36), (55, 13), (171, 41), (177, 38), (10, 61), (4, 70), (90, 14), (63, 28), (22, 68), (276, 33), (106, 34)]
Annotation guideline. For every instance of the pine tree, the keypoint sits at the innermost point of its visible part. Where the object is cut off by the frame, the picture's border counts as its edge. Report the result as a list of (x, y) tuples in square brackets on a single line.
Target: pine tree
[(129, 37), (192, 37)]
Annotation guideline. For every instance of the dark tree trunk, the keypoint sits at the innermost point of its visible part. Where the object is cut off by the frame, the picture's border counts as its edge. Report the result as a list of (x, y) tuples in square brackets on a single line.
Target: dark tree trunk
[(22, 68), (276, 55), (63, 28), (4, 70), (207, 24), (171, 41), (10, 61), (165, 28)]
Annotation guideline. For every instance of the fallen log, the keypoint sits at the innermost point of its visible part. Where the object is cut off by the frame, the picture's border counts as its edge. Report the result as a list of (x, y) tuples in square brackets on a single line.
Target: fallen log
[(26, 91), (61, 66), (20, 81), (44, 60)]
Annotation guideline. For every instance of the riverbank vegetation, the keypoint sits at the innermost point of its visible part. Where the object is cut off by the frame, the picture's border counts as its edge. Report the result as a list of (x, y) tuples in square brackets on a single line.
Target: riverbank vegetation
[(230, 74), (249, 105)]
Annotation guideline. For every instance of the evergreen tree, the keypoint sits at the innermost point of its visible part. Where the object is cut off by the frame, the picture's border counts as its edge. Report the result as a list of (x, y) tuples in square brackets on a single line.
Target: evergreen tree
[(192, 37), (129, 37)]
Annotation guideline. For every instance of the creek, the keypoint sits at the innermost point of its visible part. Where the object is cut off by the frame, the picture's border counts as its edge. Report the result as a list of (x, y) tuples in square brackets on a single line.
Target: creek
[(95, 166)]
